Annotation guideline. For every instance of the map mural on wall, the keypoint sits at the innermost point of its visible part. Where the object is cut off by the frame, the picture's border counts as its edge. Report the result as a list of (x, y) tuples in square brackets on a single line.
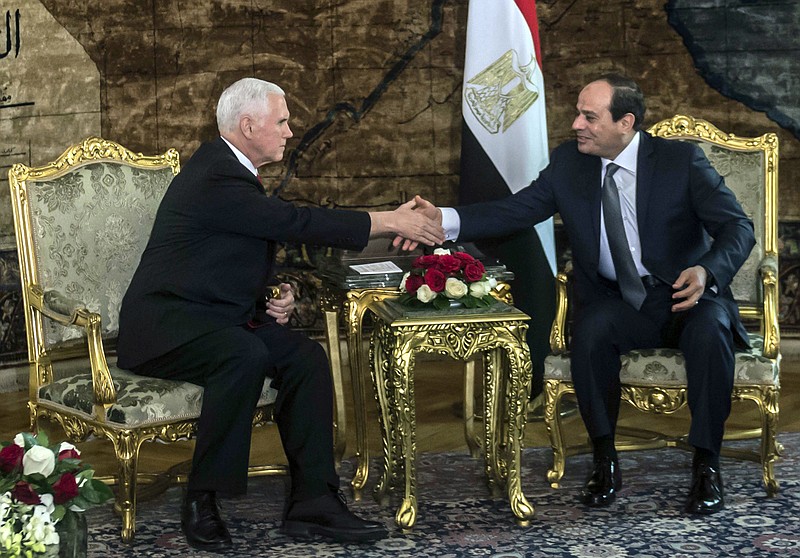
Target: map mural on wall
[(748, 50), (49, 90)]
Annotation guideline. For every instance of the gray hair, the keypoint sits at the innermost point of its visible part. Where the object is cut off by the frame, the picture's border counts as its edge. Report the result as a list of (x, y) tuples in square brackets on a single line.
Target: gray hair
[(247, 94)]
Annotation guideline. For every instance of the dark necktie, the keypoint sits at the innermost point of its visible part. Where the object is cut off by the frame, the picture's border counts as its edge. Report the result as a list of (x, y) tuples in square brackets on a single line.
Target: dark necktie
[(630, 284)]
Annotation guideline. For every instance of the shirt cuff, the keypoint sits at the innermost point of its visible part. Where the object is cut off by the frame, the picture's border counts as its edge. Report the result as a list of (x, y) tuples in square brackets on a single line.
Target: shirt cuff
[(451, 223)]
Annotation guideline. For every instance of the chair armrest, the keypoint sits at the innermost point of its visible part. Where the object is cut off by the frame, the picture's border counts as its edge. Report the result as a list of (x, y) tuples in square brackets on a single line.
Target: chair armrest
[(68, 312), (558, 331), (768, 268)]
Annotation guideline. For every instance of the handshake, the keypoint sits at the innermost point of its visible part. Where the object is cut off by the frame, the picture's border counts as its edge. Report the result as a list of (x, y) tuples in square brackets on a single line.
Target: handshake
[(416, 221)]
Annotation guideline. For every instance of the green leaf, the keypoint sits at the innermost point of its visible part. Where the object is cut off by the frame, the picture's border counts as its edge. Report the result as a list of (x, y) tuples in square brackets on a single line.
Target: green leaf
[(30, 440), (441, 303)]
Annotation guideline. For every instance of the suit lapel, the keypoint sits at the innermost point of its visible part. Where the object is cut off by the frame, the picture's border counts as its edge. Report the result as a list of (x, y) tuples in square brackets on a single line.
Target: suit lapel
[(644, 181), (592, 190)]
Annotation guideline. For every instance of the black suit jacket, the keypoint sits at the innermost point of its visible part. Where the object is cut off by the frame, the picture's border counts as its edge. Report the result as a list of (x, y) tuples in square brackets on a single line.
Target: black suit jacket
[(686, 216), (211, 252)]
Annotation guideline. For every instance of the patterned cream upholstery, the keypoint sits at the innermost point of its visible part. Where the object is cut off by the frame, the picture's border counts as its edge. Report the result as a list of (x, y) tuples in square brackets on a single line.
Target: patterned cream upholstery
[(654, 380), (82, 223)]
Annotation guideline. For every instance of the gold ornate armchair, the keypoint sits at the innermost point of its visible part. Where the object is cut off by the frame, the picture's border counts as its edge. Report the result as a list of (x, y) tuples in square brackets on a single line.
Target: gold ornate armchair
[(82, 223), (654, 380)]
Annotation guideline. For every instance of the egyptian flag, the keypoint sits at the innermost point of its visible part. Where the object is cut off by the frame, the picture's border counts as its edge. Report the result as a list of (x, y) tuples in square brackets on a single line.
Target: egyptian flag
[(504, 146)]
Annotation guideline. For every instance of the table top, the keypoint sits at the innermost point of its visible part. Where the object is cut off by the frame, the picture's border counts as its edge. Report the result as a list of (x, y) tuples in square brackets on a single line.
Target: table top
[(396, 314), (335, 269)]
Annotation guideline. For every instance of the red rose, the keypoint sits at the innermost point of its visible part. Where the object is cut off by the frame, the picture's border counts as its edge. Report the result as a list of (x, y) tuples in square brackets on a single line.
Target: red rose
[(449, 264), (464, 257), (68, 454), (24, 492), (435, 279), (11, 458), (425, 262), (65, 488), (474, 271), (413, 283)]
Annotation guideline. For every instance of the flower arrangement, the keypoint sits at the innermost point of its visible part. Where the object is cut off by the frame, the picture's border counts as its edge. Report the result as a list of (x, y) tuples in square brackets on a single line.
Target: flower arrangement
[(39, 487), (442, 277)]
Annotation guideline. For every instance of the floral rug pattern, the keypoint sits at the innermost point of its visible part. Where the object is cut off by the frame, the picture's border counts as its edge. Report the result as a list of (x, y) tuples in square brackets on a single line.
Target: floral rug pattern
[(458, 517)]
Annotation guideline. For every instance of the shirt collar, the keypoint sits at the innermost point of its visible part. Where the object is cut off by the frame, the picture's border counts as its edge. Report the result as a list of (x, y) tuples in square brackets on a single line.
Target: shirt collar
[(627, 159), (242, 159)]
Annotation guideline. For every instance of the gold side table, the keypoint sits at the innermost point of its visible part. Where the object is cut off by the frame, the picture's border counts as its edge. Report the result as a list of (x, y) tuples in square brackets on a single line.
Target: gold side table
[(497, 332), (353, 303)]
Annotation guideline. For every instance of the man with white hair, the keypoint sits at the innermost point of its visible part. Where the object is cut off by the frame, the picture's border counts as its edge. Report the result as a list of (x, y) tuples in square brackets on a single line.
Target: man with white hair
[(196, 311)]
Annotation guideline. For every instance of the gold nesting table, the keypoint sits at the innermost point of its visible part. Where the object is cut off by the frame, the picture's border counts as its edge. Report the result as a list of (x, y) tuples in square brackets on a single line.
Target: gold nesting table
[(496, 332), (349, 295)]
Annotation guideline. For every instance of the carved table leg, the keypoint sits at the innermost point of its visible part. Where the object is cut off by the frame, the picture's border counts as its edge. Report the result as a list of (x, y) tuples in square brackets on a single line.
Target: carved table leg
[(401, 366), (335, 357), (518, 392), (469, 409), (354, 315)]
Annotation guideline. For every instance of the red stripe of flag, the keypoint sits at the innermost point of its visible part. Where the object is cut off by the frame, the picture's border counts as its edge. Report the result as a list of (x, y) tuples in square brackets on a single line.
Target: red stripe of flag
[(528, 9)]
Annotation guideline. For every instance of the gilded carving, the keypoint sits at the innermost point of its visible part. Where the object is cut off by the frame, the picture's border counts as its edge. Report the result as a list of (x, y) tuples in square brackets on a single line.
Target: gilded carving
[(393, 346)]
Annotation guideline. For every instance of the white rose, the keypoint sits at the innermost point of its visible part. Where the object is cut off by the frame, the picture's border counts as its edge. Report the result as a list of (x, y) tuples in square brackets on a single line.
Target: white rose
[(19, 440), (441, 252), (455, 288), (479, 289), (403, 282), (67, 446), (38, 459), (492, 282), (425, 294)]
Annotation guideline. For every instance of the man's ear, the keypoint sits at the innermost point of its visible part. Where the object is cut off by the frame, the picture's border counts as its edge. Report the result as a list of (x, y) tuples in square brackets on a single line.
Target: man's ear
[(627, 121), (246, 126)]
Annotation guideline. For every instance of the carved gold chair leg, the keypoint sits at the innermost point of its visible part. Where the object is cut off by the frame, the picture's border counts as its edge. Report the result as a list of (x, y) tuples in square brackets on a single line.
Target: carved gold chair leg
[(126, 448), (554, 391)]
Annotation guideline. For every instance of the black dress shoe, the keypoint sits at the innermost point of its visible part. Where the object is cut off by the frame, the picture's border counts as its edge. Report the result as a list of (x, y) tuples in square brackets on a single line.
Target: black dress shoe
[(201, 523), (328, 516), (706, 495), (604, 482)]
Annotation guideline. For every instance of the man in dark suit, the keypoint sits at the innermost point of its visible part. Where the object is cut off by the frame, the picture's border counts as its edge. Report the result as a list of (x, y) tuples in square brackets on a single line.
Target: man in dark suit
[(196, 311), (653, 272)]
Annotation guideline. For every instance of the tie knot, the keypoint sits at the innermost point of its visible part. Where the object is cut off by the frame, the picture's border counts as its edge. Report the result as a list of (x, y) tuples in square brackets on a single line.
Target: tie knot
[(611, 168)]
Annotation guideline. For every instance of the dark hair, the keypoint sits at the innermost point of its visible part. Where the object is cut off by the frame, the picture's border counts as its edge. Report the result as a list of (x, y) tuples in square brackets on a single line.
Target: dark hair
[(626, 98)]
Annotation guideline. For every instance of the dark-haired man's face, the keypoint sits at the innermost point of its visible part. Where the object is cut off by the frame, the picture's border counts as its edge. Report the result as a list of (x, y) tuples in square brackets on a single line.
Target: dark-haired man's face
[(595, 129)]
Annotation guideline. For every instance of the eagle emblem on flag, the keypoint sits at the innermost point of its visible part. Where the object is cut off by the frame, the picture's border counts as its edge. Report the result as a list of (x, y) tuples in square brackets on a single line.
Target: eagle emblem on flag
[(502, 92)]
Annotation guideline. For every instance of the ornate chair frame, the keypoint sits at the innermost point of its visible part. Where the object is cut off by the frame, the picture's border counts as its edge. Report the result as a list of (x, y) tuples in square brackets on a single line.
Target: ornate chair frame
[(757, 373), (112, 390)]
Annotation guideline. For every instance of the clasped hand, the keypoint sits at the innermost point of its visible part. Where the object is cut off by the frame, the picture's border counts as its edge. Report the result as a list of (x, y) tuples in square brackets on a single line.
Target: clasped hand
[(281, 307), (431, 213)]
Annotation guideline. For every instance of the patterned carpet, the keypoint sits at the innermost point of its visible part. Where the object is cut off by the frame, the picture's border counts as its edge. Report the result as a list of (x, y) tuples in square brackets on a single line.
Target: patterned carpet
[(457, 517)]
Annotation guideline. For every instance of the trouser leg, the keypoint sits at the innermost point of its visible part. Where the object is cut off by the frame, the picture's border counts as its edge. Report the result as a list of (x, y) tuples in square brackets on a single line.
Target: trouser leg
[(231, 365), (707, 344), (304, 409), (602, 331)]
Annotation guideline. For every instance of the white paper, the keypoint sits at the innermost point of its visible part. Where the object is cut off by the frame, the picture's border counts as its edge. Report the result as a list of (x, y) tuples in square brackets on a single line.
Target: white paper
[(376, 268)]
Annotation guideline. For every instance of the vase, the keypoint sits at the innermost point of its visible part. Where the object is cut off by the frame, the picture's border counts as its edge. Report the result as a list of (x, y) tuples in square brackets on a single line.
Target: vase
[(72, 534)]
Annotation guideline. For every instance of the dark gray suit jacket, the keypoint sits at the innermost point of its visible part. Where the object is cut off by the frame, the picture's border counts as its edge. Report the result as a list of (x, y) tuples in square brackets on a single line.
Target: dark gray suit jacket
[(686, 216), (211, 253)]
